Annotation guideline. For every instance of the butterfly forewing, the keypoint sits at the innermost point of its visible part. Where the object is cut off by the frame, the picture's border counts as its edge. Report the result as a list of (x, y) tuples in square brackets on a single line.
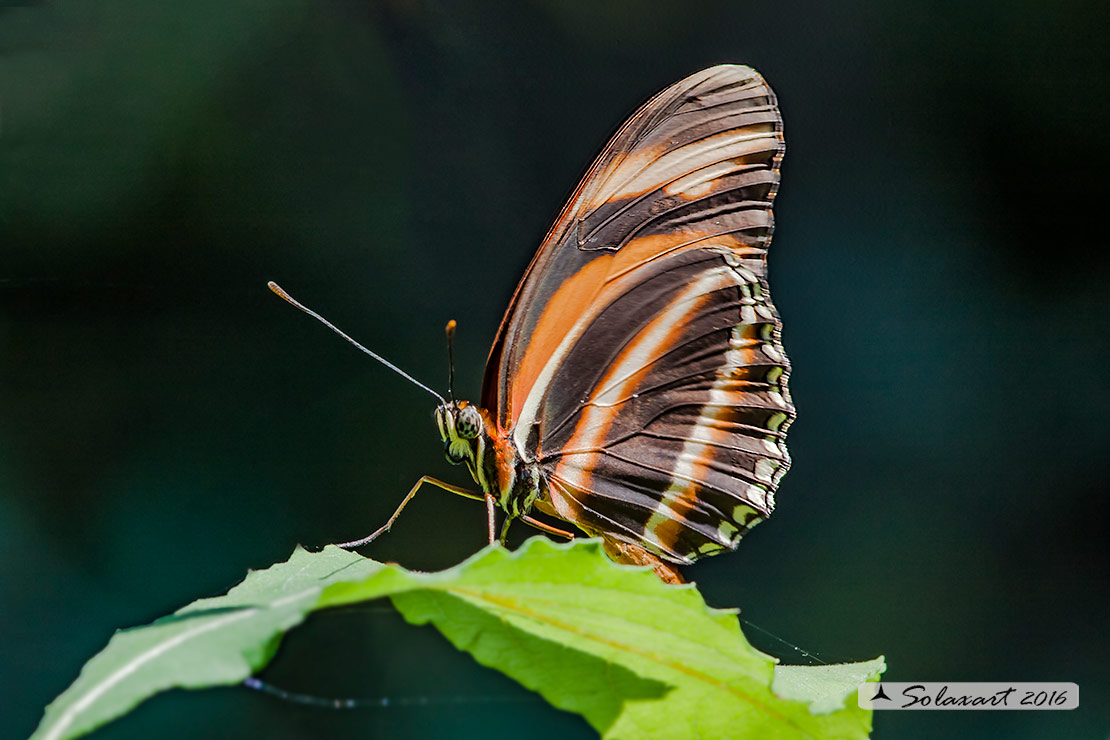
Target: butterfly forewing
[(639, 364)]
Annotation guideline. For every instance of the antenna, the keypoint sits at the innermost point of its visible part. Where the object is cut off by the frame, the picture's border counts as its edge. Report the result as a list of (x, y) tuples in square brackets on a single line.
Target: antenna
[(451, 360), (289, 299)]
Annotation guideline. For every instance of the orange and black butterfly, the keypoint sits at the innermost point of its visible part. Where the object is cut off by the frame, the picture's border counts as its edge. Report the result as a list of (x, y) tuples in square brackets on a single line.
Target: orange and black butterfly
[(637, 387)]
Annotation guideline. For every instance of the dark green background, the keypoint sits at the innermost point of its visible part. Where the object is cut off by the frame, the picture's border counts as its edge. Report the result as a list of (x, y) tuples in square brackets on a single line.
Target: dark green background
[(940, 264)]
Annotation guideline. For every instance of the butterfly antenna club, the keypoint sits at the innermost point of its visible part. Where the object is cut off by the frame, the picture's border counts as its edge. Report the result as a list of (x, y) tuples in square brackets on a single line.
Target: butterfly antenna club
[(293, 301)]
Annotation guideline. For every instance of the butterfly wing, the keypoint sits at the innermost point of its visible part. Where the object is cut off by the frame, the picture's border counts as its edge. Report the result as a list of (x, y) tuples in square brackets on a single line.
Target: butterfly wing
[(639, 363)]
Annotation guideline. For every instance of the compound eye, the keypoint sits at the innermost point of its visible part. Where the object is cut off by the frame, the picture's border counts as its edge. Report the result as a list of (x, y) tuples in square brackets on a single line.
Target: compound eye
[(468, 423)]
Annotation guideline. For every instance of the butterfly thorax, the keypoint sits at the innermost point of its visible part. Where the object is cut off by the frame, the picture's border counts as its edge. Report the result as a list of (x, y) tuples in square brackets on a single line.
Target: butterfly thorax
[(471, 437)]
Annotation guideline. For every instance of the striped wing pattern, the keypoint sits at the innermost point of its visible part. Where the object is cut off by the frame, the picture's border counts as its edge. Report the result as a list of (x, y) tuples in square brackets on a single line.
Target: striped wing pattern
[(640, 364)]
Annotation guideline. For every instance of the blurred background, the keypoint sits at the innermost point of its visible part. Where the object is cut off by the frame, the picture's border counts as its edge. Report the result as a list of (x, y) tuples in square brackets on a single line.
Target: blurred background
[(167, 423)]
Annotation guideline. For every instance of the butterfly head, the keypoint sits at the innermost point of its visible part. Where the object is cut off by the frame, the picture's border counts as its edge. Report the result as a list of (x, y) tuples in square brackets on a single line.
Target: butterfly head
[(460, 423)]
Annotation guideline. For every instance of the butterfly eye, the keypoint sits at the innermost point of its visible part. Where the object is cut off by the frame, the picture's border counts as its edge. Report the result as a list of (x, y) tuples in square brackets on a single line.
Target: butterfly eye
[(468, 423)]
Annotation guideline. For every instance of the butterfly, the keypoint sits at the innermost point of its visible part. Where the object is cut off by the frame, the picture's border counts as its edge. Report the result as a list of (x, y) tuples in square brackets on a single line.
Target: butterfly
[(637, 386)]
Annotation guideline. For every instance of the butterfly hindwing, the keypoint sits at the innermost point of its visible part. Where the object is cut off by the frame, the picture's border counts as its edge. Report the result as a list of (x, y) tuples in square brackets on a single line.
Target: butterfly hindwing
[(639, 364)]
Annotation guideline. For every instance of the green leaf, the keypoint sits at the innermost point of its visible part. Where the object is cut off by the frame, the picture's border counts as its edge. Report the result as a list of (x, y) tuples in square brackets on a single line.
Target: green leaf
[(635, 657)]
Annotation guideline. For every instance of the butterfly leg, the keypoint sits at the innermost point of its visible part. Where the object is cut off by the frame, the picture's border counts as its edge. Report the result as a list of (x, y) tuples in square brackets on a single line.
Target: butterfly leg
[(545, 527), (385, 528), (491, 516)]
